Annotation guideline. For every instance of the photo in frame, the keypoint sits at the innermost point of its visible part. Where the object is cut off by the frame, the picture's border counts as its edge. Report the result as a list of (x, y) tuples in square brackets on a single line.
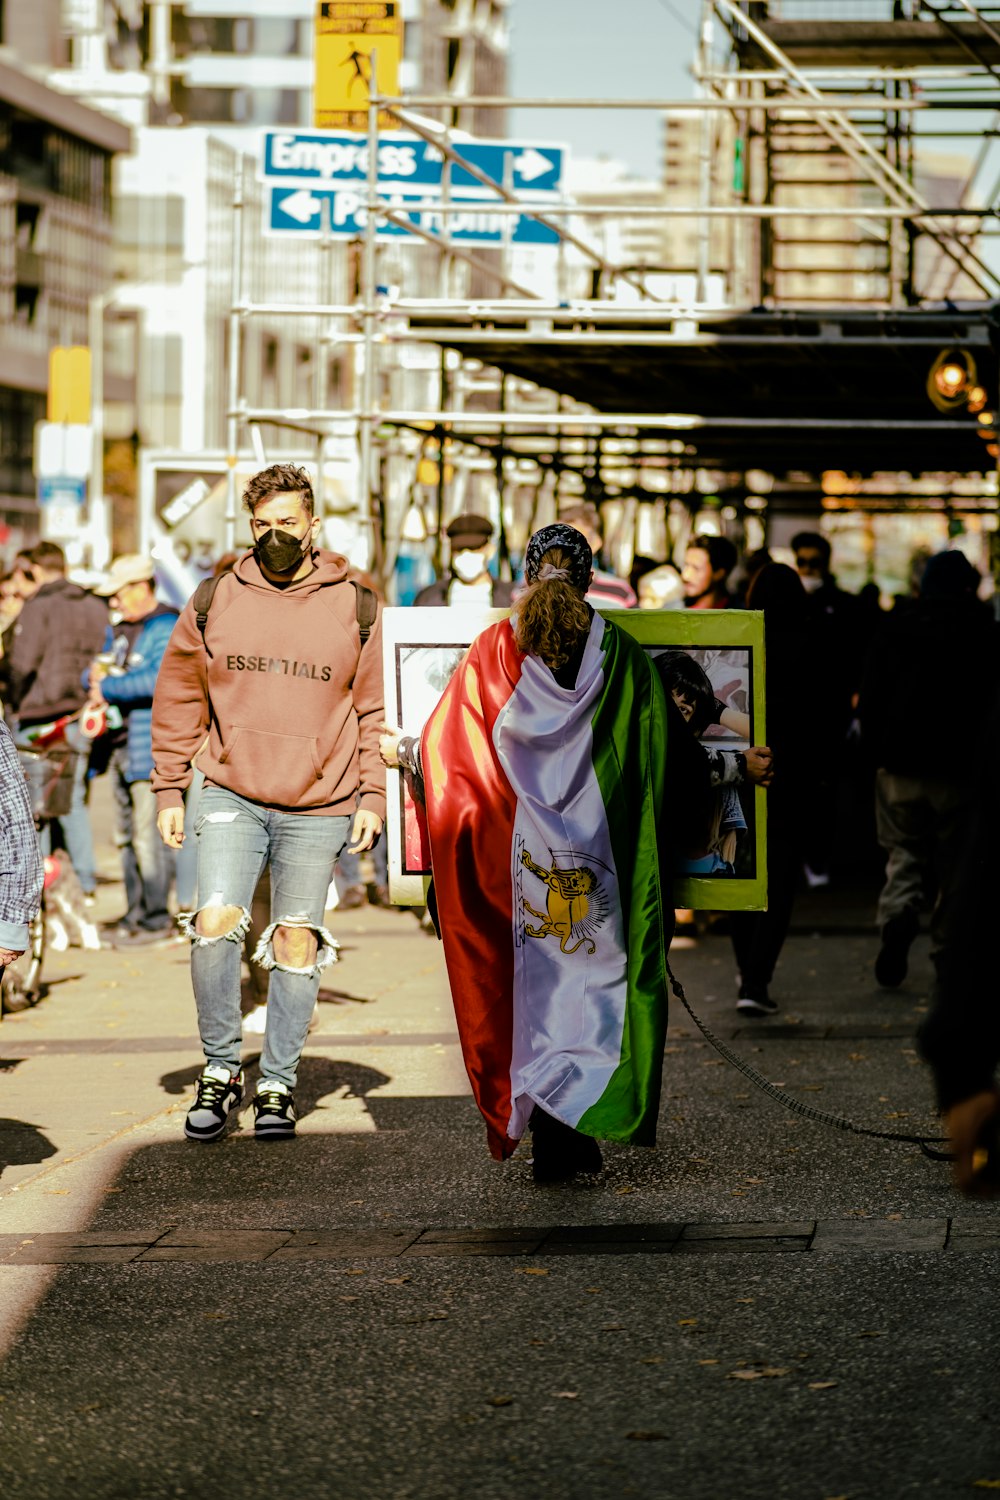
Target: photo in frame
[(712, 663)]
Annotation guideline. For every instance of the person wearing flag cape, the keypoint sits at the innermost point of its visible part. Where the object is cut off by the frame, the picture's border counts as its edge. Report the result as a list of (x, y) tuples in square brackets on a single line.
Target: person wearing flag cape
[(542, 773)]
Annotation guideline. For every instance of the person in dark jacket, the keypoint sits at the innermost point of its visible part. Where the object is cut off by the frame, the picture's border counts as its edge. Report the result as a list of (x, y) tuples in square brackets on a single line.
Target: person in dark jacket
[(125, 679), (960, 1038), (469, 580), (795, 729), (942, 652), (58, 632)]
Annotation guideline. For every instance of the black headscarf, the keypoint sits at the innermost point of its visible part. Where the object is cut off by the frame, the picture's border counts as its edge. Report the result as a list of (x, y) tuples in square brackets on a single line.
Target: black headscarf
[(568, 540)]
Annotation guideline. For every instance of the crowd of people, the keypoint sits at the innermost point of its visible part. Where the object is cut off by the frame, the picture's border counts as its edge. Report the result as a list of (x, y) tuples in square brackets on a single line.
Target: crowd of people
[(244, 740)]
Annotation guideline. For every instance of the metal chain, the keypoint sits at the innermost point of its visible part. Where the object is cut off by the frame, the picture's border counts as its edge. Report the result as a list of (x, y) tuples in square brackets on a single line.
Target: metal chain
[(807, 1111)]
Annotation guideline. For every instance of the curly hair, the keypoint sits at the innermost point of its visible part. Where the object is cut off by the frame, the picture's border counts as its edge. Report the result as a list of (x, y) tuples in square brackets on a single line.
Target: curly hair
[(551, 618), (279, 479)]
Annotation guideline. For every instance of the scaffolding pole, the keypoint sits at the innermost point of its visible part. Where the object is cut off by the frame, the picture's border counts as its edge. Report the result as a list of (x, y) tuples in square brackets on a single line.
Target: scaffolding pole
[(870, 94), (233, 356), (366, 414)]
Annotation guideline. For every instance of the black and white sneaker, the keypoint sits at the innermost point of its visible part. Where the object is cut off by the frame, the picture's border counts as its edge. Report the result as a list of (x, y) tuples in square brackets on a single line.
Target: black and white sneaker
[(274, 1111), (219, 1092), (755, 1001)]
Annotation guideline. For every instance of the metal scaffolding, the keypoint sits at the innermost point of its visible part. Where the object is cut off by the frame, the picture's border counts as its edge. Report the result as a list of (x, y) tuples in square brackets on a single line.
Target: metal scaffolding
[(842, 236)]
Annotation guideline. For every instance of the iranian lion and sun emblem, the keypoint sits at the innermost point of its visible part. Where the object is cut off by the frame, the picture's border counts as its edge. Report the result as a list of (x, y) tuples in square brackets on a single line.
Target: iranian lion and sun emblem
[(576, 903)]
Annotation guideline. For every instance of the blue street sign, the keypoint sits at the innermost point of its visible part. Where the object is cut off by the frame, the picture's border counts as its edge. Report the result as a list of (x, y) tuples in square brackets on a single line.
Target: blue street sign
[(341, 158), (300, 211), (61, 490)]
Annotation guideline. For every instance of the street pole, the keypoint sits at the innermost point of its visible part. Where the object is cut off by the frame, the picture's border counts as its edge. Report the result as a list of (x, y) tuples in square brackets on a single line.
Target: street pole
[(98, 520), (366, 417), (235, 317)]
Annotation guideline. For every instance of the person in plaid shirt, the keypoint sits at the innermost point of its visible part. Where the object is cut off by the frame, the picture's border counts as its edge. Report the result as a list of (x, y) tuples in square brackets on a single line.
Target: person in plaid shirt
[(20, 862)]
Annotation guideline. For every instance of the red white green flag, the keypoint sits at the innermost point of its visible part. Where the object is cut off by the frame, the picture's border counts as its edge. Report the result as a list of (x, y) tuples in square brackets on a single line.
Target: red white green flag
[(543, 810)]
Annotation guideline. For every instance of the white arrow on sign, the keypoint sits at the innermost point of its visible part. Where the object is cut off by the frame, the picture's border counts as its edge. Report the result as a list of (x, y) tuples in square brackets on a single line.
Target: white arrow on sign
[(300, 206), (531, 164)]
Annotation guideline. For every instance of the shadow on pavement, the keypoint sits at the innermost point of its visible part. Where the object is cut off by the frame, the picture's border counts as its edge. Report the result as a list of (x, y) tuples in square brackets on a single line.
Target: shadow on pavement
[(318, 1077), (22, 1144)]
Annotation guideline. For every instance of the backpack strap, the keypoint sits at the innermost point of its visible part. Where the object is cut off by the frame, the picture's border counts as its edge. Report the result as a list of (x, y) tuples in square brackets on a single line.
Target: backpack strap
[(367, 607), (202, 601)]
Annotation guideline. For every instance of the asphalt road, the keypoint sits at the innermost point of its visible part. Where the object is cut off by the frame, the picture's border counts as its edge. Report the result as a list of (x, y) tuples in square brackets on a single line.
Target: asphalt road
[(762, 1306)]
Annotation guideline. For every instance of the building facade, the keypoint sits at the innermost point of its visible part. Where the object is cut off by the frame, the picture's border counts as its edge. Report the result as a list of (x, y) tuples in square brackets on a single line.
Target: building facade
[(198, 83), (56, 256)]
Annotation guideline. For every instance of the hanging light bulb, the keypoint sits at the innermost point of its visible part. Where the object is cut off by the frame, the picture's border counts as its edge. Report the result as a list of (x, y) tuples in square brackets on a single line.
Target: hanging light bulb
[(950, 378)]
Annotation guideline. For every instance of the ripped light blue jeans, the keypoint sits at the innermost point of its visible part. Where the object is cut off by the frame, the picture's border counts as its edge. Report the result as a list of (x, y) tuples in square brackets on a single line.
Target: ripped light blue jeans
[(236, 839)]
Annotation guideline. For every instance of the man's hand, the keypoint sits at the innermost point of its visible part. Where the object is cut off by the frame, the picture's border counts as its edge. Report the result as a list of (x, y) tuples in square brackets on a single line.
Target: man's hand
[(366, 829), (8, 955), (968, 1125), (388, 745), (760, 765), (170, 823)]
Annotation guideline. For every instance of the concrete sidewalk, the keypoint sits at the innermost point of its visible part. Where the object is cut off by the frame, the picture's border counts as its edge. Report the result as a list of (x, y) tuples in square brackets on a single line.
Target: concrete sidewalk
[(761, 1307)]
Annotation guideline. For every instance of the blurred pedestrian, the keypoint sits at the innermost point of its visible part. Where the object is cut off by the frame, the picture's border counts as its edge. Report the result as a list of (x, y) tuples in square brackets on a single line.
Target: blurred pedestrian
[(848, 622), (279, 678), (468, 580), (841, 628), (813, 555), (708, 562), (607, 590), (22, 575), (752, 564), (124, 678), (541, 769), (661, 588), (960, 1038), (56, 636), (943, 652), (11, 604), (21, 868), (352, 891), (795, 686)]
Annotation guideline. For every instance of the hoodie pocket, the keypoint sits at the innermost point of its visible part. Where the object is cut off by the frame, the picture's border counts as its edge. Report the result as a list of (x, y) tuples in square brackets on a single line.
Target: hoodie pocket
[(277, 769)]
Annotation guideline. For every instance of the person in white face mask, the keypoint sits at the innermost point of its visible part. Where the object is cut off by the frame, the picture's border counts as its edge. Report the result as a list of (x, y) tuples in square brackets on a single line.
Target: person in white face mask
[(469, 580)]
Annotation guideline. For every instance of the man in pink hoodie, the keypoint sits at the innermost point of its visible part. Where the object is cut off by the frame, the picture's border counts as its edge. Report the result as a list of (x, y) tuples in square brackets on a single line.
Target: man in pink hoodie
[(290, 699)]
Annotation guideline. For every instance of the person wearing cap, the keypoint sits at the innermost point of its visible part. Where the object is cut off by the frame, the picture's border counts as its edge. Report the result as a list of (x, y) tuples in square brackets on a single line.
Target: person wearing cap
[(124, 677), (469, 580)]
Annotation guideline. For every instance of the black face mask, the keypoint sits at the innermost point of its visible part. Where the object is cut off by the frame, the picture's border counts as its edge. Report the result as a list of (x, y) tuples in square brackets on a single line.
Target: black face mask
[(279, 551)]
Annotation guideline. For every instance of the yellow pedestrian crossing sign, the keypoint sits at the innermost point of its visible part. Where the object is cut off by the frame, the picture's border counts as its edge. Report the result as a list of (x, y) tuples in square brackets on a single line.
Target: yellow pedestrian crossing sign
[(348, 32)]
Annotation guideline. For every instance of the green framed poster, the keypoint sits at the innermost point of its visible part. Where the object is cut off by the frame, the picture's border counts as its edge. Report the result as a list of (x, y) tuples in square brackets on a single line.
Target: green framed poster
[(714, 655), (726, 648)]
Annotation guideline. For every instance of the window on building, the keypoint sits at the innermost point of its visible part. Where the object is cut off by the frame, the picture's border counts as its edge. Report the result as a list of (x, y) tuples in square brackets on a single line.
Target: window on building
[(149, 222), (274, 38), (164, 366), (239, 36), (215, 106), (19, 411)]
